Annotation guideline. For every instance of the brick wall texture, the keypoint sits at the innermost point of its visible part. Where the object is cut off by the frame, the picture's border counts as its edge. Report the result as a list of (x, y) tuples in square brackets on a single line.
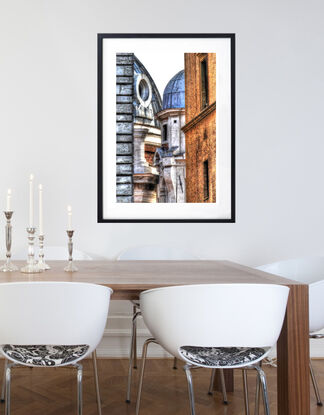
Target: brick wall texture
[(200, 128)]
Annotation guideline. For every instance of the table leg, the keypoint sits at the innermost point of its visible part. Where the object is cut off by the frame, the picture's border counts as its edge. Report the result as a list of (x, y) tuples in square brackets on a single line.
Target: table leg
[(229, 381), (293, 355)]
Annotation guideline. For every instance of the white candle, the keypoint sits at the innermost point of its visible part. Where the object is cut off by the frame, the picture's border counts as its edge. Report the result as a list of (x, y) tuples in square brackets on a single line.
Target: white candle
[(8, 209), (69, 210), (31, 201), (40, 200)]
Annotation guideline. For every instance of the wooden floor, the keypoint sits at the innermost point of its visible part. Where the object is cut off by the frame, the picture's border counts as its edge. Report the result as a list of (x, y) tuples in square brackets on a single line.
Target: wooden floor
[(52, 391)]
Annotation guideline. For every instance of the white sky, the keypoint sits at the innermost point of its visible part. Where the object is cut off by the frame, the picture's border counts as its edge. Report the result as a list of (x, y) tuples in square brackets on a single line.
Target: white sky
[(162, 65)]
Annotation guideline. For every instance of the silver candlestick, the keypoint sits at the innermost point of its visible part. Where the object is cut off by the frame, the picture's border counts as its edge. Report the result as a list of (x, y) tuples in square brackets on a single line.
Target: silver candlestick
[(31, 267), (70, 266), (41, 262), (8, 266)]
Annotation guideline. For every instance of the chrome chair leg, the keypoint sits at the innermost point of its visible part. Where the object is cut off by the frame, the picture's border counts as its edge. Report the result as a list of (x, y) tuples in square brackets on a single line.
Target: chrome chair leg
[(135, 340), (140, 382), (96, 379), (263, 382), (8, 387), (175, 363), (190, 389), (131, 356), (212, 381), (222, 381), (316, 390), (8, 384), (4, 380), (79, 389), (245, 392), (257, 394)]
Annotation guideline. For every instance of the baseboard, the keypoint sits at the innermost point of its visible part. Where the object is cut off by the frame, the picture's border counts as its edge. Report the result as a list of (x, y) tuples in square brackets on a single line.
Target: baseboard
[(116, 344), (317, 348)]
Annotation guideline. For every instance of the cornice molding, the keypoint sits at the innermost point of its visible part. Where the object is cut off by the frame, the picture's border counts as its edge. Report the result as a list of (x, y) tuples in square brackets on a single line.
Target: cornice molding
[(169, 112), (203, 114)]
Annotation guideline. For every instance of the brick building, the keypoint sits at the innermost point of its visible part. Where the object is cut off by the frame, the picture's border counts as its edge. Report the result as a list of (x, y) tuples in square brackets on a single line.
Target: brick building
[(200, 127), (138, 131)]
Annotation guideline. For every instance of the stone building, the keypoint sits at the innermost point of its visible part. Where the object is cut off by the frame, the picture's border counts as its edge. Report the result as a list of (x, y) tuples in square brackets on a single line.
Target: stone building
[(170, 158), (138, 131), (200, 127)]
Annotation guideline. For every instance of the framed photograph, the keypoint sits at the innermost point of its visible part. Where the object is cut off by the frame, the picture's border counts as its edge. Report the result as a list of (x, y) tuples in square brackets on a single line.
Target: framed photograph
[(166, 128)]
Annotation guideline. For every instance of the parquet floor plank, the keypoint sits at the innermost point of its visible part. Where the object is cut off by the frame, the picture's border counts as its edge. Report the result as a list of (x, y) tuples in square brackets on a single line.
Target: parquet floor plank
[(40, 391)]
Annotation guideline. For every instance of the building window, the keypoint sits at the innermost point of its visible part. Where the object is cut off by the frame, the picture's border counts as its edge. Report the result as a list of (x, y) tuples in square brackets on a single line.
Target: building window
[(206, 180), (205, 135), (143, 89), (165, 132), (204, 83)]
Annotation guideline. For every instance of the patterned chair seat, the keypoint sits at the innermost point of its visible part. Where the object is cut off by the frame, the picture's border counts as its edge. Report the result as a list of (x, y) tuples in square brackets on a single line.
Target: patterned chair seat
[(221, 356), (44, 355)]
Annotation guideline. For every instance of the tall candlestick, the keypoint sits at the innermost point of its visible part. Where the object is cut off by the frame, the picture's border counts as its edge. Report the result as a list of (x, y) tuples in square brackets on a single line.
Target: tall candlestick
[(40, 194), (8, 209), (8, 266), (69, 210), (31, 201)]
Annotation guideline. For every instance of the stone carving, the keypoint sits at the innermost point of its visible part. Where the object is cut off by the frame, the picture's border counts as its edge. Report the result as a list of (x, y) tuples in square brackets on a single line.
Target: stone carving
[(150, 166)]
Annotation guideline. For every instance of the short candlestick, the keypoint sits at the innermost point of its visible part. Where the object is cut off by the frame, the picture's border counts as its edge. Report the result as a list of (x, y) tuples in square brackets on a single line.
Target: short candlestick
[(41, 261), (31, 267), (70, 266), (8, 266)]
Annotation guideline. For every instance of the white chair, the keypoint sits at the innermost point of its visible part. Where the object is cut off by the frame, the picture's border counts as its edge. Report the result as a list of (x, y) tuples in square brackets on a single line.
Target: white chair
[(51, 324), (309, 270), (153, 253), (61, 253), (215, 326)]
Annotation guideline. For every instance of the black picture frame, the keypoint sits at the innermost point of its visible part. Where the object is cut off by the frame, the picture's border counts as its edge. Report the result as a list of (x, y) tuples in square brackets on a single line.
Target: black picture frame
[(100, 38)]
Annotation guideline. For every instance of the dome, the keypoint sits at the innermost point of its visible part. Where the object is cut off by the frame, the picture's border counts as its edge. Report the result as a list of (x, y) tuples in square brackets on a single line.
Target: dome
[(174, 93), (147, 100)]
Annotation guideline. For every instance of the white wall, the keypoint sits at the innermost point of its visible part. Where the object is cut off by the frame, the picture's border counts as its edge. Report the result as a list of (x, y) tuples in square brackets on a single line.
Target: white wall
[(48, 92)]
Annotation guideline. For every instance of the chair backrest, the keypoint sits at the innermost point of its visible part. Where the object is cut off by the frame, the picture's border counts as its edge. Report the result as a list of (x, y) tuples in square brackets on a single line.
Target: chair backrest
[(219, 315), (155, 253), (308, 270), (57, 313)]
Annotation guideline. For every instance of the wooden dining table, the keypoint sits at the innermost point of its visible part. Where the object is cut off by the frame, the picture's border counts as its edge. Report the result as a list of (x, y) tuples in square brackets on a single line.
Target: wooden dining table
[(129, 278)]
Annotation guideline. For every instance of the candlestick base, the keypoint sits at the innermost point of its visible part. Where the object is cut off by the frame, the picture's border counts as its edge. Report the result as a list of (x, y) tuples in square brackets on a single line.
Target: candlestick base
[(30, 269), (8, 267), (70, 267), (43, 266)]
